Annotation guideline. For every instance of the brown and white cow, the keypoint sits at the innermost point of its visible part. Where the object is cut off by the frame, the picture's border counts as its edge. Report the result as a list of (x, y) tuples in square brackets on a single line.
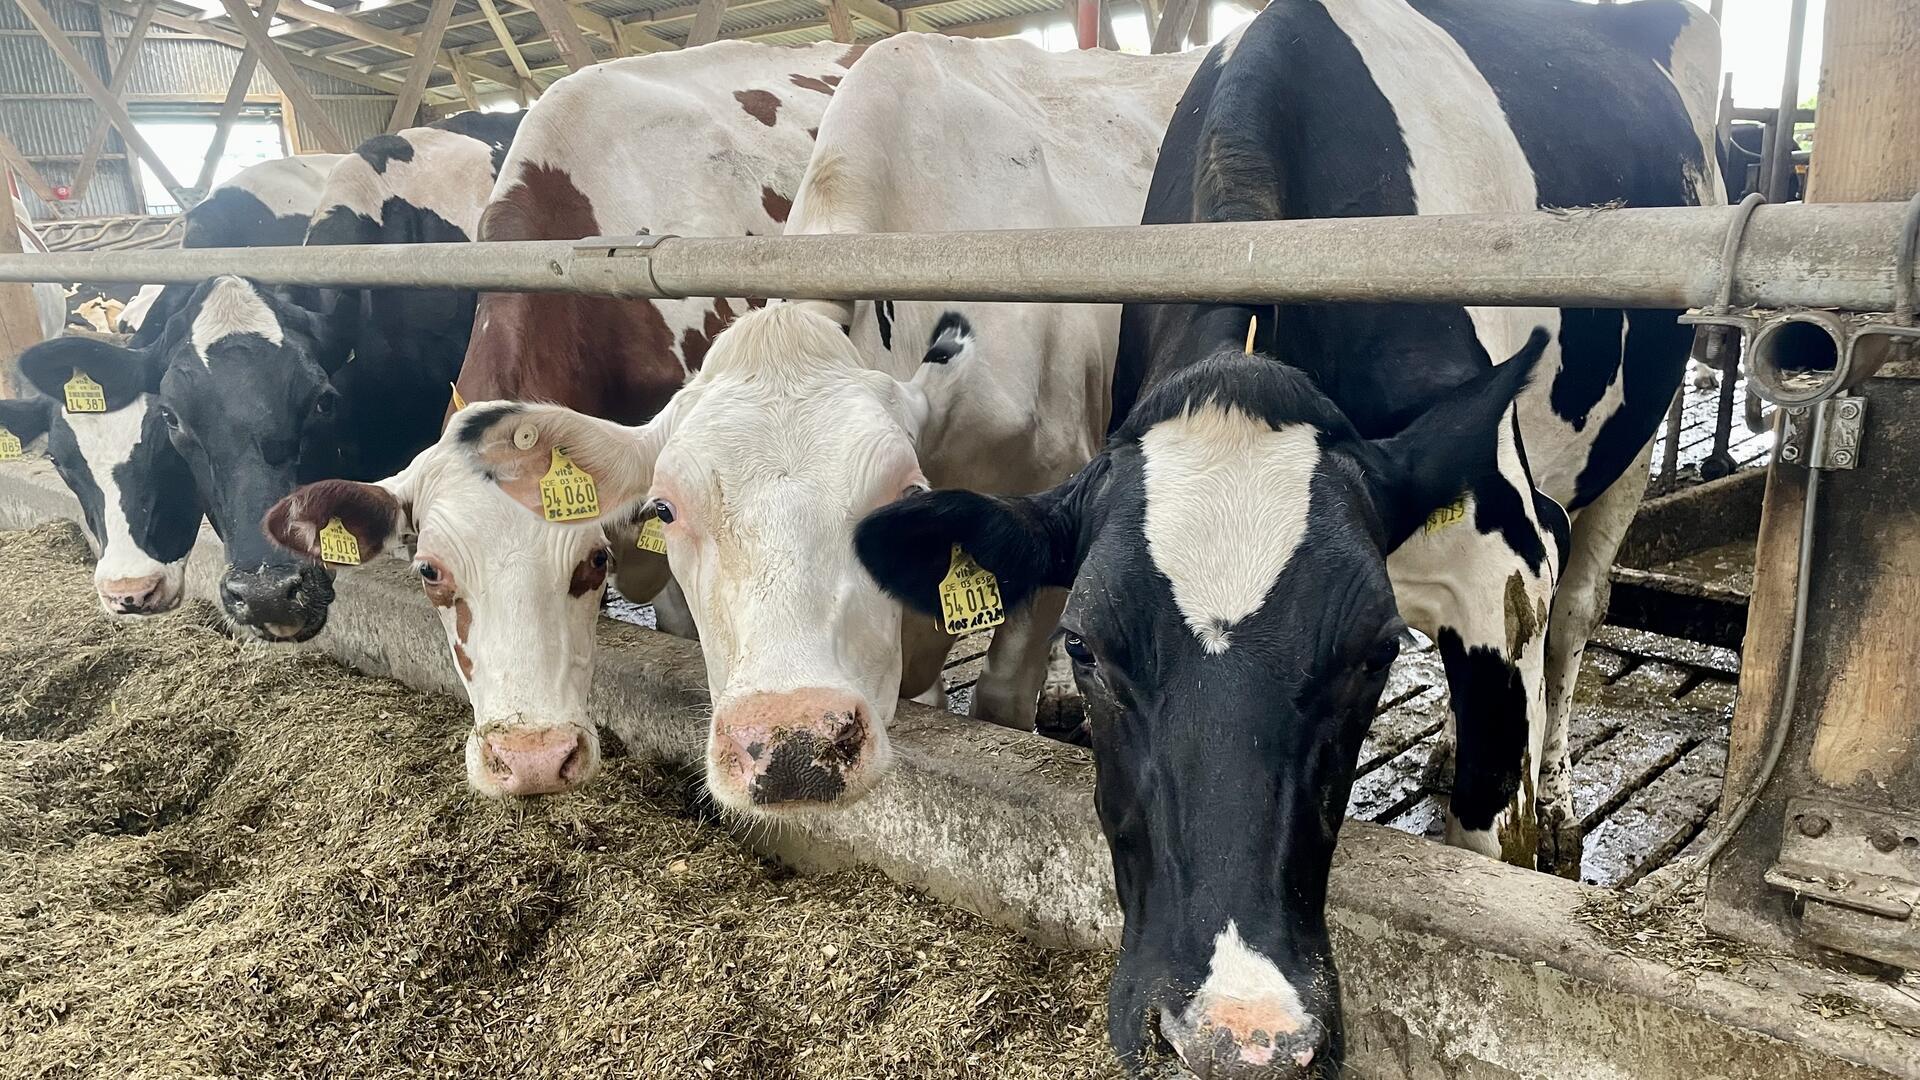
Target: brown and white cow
[(708, 141), (804, 417)]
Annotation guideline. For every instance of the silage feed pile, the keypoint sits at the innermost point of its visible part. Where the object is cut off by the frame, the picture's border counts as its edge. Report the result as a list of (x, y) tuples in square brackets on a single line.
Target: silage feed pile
[(225, 860)]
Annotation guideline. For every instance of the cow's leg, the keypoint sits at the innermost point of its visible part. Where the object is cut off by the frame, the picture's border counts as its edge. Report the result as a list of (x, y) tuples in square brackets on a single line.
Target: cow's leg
[(1016, 666), (1481, 585), (672, 614), (1578, 606)]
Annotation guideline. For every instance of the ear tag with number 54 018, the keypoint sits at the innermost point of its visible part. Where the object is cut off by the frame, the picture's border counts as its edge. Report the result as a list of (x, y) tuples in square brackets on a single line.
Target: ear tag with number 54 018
[(969, 596), (338, 546), (85, 395), (9, 445), (652, 537), (567, 492)]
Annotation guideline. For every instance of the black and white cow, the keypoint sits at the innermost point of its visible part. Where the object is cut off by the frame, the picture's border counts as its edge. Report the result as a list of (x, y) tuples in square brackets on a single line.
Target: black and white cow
[(1243, 553), (263, 388), (141, 509)]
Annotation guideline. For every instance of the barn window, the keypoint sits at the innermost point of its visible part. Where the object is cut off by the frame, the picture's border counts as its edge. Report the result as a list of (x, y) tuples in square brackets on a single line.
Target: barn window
[(180, 134)]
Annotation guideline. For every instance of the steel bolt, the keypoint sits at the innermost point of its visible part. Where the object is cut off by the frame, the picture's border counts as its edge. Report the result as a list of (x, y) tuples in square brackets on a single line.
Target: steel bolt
[(1884, 840), (1813, 826)]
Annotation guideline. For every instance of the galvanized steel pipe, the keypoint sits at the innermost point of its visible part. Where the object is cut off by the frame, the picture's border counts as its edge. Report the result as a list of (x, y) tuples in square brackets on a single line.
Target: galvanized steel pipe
[(1834, 256)]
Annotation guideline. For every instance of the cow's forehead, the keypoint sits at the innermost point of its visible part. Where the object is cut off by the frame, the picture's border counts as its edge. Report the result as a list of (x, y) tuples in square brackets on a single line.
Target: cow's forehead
[(822, 432), (1225, 509), (232, 306)]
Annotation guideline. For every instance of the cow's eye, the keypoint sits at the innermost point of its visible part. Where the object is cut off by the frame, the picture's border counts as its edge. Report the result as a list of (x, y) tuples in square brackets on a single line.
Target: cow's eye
[(1382, 655), (663, 510), (599, 559), (1077, 650), (323, 405), (170, 418), (428, 572), (914, 489)]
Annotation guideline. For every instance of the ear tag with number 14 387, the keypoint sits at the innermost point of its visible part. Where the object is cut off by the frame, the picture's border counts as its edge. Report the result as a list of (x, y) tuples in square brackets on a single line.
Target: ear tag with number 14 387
[(85, 395)]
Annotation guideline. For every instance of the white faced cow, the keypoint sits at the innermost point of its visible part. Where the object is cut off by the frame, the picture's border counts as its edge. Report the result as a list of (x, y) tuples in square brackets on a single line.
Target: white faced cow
[(1242, 554), (803, 417), (137, 497), (706, 141)]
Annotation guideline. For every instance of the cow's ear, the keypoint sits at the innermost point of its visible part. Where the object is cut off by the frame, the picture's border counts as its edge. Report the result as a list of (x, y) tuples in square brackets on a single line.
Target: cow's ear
[(1028, 542), (1449, 447), (378, 516), (27, 418), (513, 443), (122, 373)]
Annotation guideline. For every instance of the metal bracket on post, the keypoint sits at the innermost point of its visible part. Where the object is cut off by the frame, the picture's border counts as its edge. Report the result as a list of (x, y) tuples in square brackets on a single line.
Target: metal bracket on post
[(1825, 434), (1856, 875)]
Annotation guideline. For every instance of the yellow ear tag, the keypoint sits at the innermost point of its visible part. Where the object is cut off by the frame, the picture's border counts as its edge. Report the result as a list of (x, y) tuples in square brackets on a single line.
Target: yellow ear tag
[(458, 401), (338, 546), (652, 537), (85, 395), (567, 492), (1452, 514), (9, 445), (969, 596)]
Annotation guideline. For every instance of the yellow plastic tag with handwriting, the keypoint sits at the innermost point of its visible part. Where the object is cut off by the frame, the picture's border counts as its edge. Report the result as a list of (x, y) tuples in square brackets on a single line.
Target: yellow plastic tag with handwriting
[(338, 546), (652, 537), (567, 492), (85, 395), (9, 445), (1451, 514), (969, 596)]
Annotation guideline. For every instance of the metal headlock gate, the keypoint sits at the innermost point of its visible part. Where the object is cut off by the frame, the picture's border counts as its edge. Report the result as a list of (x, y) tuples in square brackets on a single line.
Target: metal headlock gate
[(1794, 256)]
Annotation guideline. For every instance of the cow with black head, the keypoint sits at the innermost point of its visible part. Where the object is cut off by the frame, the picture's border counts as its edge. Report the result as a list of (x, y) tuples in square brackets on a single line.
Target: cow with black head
[(136, 495)]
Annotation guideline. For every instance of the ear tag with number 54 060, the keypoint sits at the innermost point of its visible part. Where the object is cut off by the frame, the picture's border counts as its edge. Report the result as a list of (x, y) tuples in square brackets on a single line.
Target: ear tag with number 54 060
[(567, 492), (969, 596)]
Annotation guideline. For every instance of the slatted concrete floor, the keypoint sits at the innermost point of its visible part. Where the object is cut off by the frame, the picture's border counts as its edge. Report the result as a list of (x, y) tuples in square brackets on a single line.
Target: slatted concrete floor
[(1649, 742), (1699, 410)]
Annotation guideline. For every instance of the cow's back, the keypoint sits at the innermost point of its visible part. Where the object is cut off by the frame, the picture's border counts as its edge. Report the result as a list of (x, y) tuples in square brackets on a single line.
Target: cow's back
[(931, 134), (709, 141)]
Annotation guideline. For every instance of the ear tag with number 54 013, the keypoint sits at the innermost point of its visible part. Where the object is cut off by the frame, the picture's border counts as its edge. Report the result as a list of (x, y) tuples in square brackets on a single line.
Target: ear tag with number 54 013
[(652, 537), (338, 546), (969, 596), (567, 492)]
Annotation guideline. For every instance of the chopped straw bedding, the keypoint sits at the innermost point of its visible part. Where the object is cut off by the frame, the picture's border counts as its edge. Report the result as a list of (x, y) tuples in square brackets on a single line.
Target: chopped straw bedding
[(219, 859)]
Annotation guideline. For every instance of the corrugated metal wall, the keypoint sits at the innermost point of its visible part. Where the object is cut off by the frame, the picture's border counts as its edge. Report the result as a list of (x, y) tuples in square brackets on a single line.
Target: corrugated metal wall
[(43, 110)]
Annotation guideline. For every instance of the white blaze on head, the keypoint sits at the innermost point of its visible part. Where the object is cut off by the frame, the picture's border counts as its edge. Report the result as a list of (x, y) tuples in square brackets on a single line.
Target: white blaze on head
[(1226, 507), (231, 307), (107, 441)]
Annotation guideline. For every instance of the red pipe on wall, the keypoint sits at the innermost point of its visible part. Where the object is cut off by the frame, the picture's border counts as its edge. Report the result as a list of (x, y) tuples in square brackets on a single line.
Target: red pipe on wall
[(1088, 23)]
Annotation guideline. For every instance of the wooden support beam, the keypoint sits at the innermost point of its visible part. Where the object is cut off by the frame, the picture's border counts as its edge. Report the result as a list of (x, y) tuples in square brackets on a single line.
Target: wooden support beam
[(840, 21), (1108, 39), (37, 14), (306, 61), (19, 316), (407, 105), (465, 82), (557, 18), (305, 110), (514, 56), (328, 19), (706, 22), (24, 171), (1200, 30), (888, 19), (230, 110), (117, 86)]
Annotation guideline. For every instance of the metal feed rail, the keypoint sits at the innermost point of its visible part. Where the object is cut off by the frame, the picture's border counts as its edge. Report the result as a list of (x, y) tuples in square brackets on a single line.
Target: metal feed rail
[(1832, 256)]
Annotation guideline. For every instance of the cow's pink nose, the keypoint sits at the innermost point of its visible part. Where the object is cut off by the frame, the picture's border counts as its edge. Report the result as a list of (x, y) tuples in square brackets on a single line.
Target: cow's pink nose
[(792, 749), (134, 596), (537, 761)]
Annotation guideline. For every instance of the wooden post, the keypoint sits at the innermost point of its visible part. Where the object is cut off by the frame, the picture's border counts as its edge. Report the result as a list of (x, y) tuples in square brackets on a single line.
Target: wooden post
[(19, 318), (62, 46), (706, 22), (464, 82), (408, 103), (230, 110), (24, 170), (566, 35), (1175, 16), (839, 21), (117, 86), (1854, 737), (524, 86), (305, 109), (1200, 31)]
